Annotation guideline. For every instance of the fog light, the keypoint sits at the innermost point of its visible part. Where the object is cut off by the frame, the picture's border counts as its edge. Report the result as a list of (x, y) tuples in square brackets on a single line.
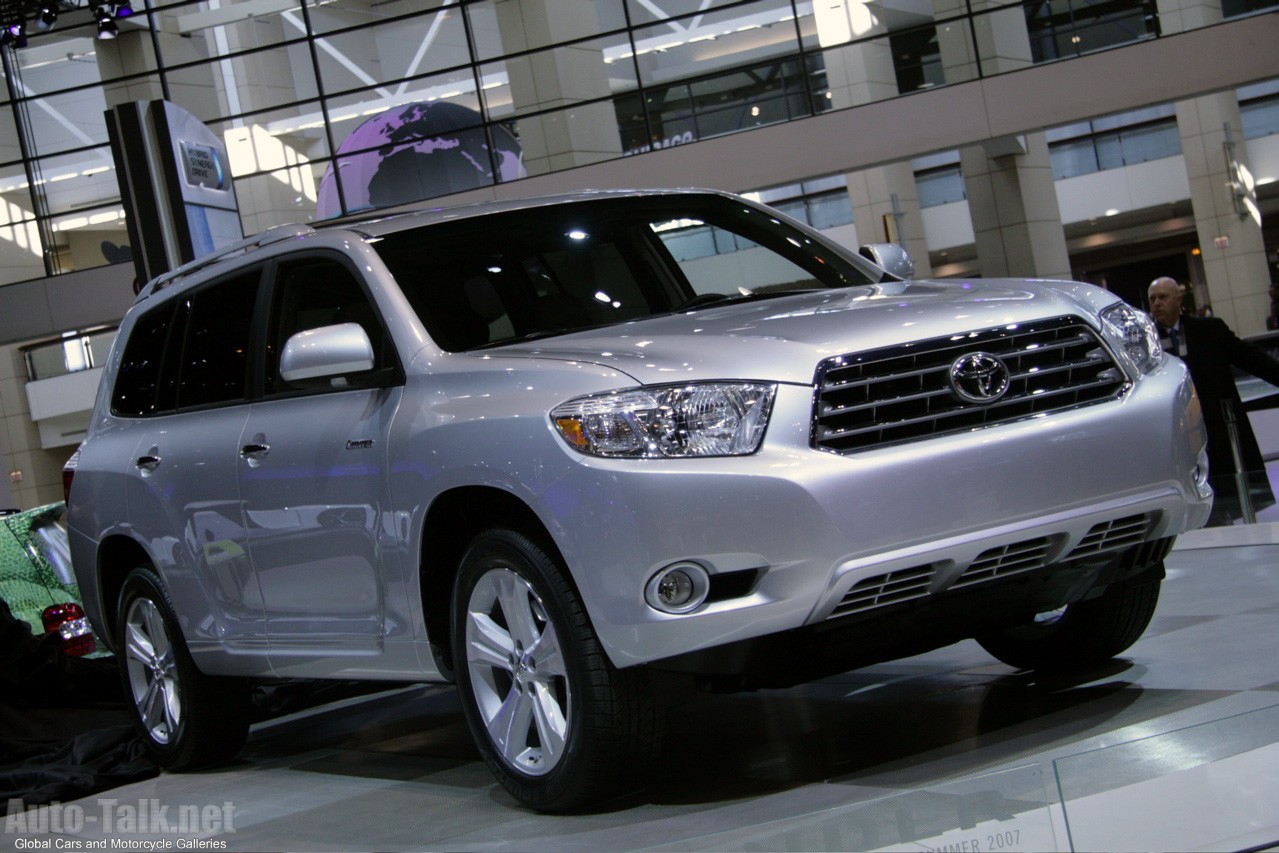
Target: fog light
[(678, 588), (1202, 488)]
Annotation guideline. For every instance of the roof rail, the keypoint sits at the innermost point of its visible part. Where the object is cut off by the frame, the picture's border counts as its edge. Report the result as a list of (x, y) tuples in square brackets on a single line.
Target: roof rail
[(271, 235)]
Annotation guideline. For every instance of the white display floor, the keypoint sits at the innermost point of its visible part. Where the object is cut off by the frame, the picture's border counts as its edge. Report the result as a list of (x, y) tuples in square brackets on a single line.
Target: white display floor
[(1174, 746)]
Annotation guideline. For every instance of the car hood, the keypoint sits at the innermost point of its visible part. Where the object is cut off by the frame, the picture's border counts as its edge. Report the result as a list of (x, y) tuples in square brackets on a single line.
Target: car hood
[(782, 339)]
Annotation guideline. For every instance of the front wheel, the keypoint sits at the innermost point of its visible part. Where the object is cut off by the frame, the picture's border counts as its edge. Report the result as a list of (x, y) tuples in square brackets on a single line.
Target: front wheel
[(1080, 635), (187, 719), (557, 724)]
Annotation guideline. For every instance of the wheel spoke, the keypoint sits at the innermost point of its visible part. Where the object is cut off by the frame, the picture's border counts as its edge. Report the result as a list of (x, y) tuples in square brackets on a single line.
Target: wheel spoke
[(138, 644), (487, 643), (514, 597), (150, 706), (159, 634), (549, 718), (509, 727), (547, 653), (172, 703)]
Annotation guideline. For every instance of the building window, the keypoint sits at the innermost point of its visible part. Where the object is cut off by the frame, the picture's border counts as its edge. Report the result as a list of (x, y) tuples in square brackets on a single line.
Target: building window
[(1113, 142), (1063, 28)]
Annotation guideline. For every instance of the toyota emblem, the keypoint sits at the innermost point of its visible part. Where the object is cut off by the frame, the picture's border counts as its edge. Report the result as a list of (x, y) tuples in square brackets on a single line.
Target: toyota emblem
[(979, 377)]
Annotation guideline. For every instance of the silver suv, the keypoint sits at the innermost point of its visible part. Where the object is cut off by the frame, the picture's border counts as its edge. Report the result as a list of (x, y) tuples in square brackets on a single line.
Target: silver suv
[(563, 451)]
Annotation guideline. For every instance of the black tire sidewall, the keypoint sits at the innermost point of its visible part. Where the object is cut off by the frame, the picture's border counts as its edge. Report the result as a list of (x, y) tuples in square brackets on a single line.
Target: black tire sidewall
[(1088, 634)]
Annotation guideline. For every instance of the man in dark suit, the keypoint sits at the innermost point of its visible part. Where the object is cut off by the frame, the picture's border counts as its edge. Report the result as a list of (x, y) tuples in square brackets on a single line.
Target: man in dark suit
[(1210, 349)]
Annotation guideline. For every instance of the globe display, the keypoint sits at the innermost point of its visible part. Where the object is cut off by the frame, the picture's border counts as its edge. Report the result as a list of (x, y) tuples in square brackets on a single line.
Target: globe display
[(418, 151)]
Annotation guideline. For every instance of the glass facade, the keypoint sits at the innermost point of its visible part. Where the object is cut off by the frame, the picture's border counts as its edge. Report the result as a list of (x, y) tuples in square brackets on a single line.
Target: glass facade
[(333, 106)]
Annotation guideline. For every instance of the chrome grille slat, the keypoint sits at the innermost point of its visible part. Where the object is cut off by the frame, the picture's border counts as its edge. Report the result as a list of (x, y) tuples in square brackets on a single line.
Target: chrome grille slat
[(1006, 560), (882, 590), (886, 425), (903, 393), (1111, 536)]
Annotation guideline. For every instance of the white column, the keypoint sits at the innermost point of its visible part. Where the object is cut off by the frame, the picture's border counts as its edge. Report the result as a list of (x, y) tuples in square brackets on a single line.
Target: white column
[(1231, 245)]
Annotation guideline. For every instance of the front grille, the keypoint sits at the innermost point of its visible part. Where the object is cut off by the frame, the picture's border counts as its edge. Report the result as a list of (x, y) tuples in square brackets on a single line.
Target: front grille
[(1006, 560), (904, 393)]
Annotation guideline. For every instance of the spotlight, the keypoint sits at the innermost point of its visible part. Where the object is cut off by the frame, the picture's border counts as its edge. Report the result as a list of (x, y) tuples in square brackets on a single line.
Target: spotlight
[(107, 28), (48, 17), (122, 9)]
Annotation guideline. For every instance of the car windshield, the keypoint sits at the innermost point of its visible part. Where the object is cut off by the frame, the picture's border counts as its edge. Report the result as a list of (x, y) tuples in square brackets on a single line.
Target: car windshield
[(556, 269)]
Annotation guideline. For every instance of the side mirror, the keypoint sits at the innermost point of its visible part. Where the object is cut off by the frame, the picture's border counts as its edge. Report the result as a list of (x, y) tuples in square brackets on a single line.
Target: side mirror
[(890, 257), (327, 353)]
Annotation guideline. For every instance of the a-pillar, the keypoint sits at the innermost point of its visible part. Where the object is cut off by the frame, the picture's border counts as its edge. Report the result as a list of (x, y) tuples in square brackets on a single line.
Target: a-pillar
[(1011, 195), (885, 199), (553, 79), (1232, 248)]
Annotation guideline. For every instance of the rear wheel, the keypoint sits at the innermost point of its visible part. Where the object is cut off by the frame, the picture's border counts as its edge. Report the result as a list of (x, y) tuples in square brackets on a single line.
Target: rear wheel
[(1079, 635), (187, 719), (558, 725)]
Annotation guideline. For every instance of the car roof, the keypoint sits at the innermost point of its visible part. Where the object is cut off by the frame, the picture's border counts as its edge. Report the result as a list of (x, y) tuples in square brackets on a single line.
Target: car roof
[(376, 224), (391, 222)]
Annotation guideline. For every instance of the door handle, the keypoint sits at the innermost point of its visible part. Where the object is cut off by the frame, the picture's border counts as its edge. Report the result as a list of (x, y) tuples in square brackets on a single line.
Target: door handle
[(255, 452), (148, 463)]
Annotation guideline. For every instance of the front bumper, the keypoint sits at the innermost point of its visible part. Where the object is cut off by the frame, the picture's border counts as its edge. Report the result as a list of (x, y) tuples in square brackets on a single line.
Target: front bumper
[(829, 536)]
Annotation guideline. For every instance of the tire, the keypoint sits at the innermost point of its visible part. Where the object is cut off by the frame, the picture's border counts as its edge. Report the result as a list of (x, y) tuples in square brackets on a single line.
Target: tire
[(1081, 635), (186, 719), (557, 724)]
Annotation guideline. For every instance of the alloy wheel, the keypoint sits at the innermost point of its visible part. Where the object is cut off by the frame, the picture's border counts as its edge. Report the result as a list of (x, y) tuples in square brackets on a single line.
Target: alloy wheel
[(517, 672), (152, 670)]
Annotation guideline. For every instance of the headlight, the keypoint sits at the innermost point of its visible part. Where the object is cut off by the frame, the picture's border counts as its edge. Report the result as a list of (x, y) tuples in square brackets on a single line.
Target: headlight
[(1135, 335), (702, 419)]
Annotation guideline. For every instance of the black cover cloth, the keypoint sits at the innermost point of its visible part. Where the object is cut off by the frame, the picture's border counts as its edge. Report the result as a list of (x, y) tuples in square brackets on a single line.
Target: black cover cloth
[(65, 731)]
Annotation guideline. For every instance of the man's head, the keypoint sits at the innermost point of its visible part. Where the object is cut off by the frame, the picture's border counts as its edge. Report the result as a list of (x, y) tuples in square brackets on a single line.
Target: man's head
[(1165, 301)]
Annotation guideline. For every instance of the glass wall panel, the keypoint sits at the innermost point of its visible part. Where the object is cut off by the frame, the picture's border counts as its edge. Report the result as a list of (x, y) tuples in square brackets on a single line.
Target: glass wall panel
[(686, 13), (1002, 38), (732, 100), (261, 80), (76, 181), (501, 28), (277, 198), (93, 237), (21, 252), (430, 146), (1061, 28), (576, 136), (556, 78), (10, 149), (444, 16), (266, 141), (65, 121), (291, 147), (718, 39), (392, 53)]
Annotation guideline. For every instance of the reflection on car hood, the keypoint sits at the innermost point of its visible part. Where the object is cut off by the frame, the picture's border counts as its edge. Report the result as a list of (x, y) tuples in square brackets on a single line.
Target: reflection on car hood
[(782, 339)]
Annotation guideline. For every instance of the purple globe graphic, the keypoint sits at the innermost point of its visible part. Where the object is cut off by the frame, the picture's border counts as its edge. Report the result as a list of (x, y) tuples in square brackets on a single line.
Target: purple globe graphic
[(414, 152)]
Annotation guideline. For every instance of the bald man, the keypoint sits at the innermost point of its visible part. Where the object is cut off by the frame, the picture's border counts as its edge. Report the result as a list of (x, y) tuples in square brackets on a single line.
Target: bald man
[(1210, 349)]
